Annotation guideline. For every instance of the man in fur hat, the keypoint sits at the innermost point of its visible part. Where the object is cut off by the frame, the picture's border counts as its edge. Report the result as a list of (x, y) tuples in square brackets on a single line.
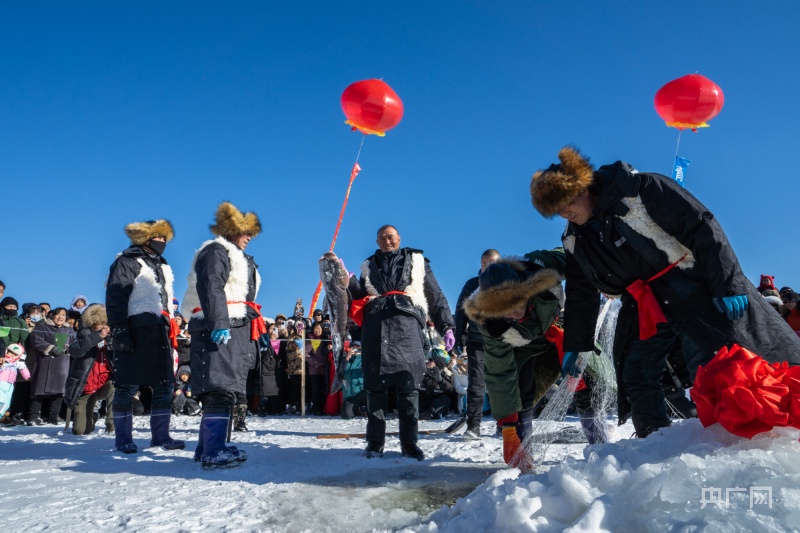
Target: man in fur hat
[(139, 309), (398, 292), (515, 309), (644, 238), (225, 325)]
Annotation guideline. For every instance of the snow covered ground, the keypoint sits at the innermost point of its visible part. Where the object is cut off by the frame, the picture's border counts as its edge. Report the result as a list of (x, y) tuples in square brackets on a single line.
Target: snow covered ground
[(293, 481)]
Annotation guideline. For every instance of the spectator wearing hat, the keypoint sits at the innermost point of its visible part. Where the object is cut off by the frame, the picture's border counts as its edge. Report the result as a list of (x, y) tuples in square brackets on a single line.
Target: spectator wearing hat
[(183, 401), (79, 304), (225, 326), (9, 318), (792, 313), (766, 283), (90, 375), (12, 362), (139, 307), (643, 237)]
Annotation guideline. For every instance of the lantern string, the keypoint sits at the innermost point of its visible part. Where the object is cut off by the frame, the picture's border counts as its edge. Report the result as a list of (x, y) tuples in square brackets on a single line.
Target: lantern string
[(679, 143), (353, 173)]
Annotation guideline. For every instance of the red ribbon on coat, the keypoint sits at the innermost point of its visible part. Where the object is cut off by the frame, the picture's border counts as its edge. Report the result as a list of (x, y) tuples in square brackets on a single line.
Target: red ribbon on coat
[(650, 313), (357, 307), (556, 335), (174, 329), (258, 326)]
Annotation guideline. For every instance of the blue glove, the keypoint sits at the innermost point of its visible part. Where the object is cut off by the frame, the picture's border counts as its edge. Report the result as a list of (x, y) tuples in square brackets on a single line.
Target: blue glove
[(221, 336), (568, 365), (734, 307)]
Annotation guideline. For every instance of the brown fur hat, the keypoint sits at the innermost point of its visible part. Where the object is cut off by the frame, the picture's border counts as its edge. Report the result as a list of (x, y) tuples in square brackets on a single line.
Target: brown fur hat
[(95, 314), (506, 285), (232, 222), (554, 188), (141, 232)]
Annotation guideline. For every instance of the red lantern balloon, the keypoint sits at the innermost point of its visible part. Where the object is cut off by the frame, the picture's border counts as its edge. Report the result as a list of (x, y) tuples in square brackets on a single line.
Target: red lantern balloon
[(371, 107), (689, 102)]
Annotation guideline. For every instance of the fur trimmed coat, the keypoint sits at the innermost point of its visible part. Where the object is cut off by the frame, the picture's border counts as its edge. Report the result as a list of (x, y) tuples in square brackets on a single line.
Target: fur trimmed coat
[(138, 291), (641, 224), (221, 273), (391, 336)]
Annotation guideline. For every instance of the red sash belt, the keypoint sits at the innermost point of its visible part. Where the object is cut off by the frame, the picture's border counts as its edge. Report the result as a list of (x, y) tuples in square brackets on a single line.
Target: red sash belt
[(174, 329), (650, 313), (258, 326), (357, 307)]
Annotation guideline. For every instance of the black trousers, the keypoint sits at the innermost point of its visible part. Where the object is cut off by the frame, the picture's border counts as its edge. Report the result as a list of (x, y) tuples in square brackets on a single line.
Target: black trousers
[(351, 406), (476, 388), (407, 412)]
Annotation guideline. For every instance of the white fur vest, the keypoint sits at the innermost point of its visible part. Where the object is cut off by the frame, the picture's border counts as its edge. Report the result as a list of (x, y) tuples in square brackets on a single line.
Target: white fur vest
[(236, 287), (415, 290), (146, 294)]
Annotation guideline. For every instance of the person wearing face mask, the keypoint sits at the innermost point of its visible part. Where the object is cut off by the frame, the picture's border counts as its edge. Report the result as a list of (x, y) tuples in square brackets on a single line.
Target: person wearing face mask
[(226, 325), (140, 309), (10, 319)]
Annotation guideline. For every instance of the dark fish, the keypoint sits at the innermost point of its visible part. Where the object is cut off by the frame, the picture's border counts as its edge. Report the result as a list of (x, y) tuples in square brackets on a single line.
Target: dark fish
[(337, 302)]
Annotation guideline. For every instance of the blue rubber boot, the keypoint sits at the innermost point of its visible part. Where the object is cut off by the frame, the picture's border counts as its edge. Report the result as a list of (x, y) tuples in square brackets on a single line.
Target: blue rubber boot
[(198, 452), (214, 428), (159, 430), (123, 431)]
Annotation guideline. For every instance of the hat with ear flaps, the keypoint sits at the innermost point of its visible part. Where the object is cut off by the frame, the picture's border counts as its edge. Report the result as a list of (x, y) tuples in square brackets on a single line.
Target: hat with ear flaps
[(560, 184), (95, 314), (508, 284), (231, 222), (141, 232)]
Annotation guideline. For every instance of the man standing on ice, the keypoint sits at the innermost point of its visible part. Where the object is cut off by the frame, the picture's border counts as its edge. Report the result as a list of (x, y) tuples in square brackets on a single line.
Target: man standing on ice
[(139, 309), (644, 238), (396, 293), (225, 325)]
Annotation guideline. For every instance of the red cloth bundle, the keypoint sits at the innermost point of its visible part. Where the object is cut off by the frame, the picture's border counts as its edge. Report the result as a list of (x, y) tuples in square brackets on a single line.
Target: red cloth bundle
[(746, 394)]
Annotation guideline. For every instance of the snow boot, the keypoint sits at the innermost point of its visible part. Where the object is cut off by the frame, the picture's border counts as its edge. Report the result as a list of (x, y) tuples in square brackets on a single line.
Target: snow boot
[(123, 432), (215, 454), (645, 425), (410, 449), (373, 449), (159, 430), (593, 430), (473, 432), (198, 452), (240, 416)]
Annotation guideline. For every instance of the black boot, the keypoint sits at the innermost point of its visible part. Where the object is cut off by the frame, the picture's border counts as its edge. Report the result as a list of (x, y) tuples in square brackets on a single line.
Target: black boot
[(240, 414), (373, 449), (410, 449), (645, 425)]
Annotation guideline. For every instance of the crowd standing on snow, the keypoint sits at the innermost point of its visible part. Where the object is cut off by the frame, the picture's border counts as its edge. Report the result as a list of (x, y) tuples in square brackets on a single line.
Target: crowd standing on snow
[(635, 236)]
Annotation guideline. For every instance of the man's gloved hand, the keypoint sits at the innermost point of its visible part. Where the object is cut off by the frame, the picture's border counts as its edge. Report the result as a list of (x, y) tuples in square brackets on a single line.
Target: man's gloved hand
[(734, 307), (122, 340), (449, 340), (221, 336), (568, 365)]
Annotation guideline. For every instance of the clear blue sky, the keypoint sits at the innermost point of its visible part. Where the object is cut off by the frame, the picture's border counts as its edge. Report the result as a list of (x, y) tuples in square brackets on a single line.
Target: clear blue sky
[(111, 113)]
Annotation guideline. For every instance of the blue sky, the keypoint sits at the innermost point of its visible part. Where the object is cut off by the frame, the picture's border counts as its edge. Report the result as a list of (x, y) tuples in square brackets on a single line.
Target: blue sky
[(111, 113)]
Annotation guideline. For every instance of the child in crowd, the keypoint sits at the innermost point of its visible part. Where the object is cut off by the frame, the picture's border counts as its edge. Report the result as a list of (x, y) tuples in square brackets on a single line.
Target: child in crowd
[(353, 393), (182, 401), (11, 362)]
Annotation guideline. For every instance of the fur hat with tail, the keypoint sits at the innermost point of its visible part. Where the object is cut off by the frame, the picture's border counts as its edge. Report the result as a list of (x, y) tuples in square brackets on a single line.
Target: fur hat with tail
[(232, 222), (141, 232), (508, 284), (556, 187), (95, 314)]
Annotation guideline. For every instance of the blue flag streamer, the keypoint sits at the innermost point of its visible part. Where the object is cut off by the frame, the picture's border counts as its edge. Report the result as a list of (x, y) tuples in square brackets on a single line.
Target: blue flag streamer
[(679, 170)]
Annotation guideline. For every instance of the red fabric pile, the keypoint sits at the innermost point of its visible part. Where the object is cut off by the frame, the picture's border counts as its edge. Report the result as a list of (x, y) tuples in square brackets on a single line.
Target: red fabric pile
[(745, 394)]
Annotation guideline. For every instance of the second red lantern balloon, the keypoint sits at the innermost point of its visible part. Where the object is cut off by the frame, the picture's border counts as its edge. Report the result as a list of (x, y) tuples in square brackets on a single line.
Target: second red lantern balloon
[(371, 107), (689, 102)]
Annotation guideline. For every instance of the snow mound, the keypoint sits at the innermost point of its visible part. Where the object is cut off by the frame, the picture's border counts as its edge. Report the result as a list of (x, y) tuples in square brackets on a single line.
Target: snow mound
[(683, 478)]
